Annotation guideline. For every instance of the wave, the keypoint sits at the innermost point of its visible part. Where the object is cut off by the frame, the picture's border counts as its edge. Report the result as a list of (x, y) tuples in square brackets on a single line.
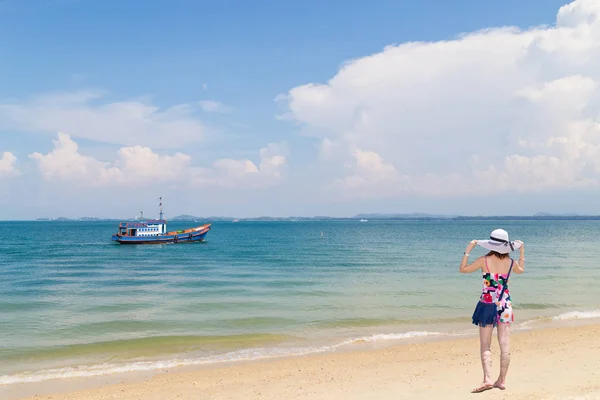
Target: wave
[(392, 336), (107, 368), (234, 356), (568, 316), (577, 315)]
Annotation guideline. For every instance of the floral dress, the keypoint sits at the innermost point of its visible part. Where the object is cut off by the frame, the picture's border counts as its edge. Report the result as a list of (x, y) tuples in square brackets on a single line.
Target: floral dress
[(492, 287)]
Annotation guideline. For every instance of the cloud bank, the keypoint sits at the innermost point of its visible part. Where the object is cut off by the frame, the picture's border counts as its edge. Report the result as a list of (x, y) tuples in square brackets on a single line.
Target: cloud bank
[(490, 111), (137, 166)]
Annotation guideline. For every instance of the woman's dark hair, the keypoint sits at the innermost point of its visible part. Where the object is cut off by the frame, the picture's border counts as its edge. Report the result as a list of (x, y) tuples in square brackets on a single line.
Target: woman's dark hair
[(499, 255)]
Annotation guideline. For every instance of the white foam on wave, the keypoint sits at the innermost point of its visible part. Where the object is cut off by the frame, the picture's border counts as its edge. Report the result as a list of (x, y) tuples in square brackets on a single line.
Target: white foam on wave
[(391, 336), (526, 324), (106, 368), (577, 315), (568, 316), (240, 355)]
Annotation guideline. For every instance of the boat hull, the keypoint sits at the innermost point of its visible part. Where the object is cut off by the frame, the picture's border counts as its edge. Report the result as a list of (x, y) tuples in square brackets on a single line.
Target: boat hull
[(188, 236)]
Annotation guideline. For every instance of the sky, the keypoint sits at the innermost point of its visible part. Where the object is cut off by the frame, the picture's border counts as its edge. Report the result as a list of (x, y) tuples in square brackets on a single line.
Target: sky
[(243, 109)]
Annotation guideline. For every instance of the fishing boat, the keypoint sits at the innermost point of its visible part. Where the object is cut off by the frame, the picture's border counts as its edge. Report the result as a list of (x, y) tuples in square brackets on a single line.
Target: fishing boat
[(154, 231)]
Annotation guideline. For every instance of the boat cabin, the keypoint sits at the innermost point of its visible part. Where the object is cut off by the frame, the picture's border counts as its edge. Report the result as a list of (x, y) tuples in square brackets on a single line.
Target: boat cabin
[(147, 228)]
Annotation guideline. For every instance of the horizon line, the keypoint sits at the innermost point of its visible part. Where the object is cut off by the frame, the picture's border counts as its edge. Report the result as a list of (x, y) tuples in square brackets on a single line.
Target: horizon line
[(379, 216)]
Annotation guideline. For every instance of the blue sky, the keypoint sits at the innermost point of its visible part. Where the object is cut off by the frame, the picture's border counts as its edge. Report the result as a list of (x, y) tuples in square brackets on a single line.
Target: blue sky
[(240, 56)]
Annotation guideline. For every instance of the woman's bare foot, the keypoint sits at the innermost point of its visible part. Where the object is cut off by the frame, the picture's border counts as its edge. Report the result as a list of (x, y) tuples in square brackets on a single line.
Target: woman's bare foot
[(483, 387), (499, 385)]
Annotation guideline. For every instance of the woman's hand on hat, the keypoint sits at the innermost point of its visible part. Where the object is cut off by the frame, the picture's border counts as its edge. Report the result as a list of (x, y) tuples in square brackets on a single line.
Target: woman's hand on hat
[(520, 242), (471, 245)]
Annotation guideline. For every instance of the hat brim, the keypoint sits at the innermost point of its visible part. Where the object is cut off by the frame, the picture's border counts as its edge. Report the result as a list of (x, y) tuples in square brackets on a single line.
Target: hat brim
[(502, 248)]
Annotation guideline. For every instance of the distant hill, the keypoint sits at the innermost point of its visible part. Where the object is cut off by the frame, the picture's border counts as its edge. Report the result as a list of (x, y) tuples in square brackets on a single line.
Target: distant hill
[(187, 217), (86, 219), (59, 219), (184, 217), (542, 214)]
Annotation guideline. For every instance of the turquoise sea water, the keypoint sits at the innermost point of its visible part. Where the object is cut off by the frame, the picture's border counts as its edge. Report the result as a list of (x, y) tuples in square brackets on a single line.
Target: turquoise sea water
[(73, 303)]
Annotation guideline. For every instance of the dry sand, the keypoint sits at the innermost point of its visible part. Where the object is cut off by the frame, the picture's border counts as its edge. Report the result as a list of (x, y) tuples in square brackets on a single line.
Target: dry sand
[(555, 363)]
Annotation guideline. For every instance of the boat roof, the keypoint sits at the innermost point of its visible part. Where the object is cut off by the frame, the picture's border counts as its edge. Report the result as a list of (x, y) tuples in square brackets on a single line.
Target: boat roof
[(142, 224)]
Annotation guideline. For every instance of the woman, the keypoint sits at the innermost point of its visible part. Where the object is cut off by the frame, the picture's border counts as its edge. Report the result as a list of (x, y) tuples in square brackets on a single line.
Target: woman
[(494, 307)]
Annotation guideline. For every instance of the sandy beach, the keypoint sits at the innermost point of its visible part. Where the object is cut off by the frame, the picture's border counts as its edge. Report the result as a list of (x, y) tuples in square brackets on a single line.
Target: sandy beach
[(553, 363)]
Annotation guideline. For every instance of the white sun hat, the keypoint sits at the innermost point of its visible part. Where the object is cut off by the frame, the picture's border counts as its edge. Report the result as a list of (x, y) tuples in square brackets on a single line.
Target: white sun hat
[(499, 242)]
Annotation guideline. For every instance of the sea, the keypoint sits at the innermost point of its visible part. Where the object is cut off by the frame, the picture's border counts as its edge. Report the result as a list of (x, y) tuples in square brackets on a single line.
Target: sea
[(75, 304)]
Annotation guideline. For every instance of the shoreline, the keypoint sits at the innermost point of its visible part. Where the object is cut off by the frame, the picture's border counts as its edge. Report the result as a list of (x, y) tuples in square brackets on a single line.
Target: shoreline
[(129, 358), (425, 367)]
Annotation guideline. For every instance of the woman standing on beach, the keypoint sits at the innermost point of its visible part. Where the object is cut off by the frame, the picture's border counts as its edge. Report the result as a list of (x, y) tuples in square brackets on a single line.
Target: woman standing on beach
[(494, 308)]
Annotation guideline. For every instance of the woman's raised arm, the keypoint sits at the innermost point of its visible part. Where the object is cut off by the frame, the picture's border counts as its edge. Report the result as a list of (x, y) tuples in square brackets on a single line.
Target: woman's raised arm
[(519, 267), (464, 266)]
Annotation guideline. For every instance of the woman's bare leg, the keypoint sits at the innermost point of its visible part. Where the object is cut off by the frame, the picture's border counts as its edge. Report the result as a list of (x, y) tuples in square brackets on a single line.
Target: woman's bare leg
[(485, 341), (504, 342)]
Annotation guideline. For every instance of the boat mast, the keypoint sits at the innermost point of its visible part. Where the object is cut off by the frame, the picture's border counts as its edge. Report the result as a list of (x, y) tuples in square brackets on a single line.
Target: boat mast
[(161, 210)]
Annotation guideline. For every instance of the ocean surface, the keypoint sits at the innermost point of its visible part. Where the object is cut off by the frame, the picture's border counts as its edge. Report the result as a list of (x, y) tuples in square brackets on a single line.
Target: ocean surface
[(73, 303)]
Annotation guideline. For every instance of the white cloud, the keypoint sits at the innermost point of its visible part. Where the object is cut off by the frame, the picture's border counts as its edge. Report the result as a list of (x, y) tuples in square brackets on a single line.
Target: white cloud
[(273, 159), (211, 106), (66, 164), (86, 115), (7, 165), (227, 172), (489, 111), (139, 166), (367, 176)]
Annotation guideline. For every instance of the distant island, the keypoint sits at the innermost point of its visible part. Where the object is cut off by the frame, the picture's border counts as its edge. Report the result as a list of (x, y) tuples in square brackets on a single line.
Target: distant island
[(367, 217)]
